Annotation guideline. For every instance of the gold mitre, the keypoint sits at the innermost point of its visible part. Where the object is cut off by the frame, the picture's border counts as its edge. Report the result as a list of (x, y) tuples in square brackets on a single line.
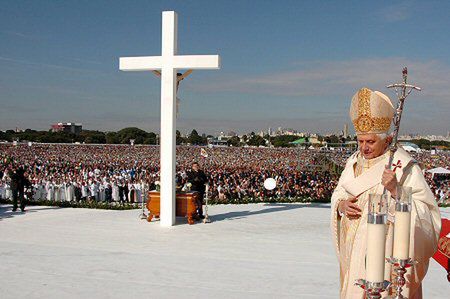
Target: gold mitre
[(371, 112)]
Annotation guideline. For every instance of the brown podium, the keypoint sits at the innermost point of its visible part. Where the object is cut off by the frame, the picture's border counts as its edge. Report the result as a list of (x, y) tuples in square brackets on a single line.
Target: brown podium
[(186, 205)]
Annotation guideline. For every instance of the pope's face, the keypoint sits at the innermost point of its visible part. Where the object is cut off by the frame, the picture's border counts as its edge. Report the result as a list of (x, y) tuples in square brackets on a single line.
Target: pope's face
[(371, 146)]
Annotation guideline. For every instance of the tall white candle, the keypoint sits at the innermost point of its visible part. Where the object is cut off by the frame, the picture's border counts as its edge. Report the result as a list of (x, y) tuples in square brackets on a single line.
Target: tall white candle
[(402, 224), (375, 259), (402, 227)]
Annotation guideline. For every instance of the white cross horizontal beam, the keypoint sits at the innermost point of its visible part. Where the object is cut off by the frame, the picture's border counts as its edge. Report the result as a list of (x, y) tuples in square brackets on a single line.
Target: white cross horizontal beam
[(149, 63)]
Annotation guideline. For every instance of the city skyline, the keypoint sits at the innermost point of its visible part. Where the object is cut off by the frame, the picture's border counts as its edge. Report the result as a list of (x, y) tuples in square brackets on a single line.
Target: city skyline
[(284, 64), (278, 131)]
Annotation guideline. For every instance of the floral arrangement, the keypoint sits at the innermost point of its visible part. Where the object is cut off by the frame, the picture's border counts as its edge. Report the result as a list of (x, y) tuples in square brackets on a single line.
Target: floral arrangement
[(186, 187)]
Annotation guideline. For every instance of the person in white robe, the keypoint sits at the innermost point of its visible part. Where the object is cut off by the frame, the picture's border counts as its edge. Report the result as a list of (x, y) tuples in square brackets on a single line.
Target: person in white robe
[(62, 191), (101, 191), (84, 191), (2, 190), (8, 191), (7, 185), (57, 191), (37, 191), (49, 188), (365, 173), (131, 192), (70, 191), (93, 189), (115, 192), (43, 190), (138, 192)]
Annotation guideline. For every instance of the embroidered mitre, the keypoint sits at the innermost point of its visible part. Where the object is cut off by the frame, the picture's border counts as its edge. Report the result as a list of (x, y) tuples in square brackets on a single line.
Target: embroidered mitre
[(371, 112)]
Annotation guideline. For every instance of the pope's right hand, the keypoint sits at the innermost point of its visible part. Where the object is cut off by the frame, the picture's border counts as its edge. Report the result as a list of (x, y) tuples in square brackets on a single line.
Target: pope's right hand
[(349, 208)]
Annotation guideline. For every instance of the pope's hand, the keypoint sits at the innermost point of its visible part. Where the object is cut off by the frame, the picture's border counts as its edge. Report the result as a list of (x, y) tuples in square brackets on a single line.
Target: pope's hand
[(389, 181), (349, 208)]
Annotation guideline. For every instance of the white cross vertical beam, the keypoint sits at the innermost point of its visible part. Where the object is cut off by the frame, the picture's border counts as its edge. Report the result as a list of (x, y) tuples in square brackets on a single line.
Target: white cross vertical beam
[(168, 119), (168, 63)]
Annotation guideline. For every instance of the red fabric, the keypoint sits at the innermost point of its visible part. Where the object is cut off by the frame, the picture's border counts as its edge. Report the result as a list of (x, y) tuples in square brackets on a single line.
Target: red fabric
[(442, 255)]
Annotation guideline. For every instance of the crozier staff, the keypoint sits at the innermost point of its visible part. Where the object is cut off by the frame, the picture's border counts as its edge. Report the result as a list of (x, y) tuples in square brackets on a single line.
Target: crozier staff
[(365, 172)]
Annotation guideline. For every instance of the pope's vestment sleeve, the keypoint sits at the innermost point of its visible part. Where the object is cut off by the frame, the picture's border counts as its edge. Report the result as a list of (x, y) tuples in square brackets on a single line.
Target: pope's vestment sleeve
[(339, 194), (425, 226)]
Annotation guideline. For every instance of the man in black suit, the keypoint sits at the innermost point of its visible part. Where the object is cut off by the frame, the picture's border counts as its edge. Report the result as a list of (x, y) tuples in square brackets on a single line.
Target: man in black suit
[(198, 180), (18, 184)]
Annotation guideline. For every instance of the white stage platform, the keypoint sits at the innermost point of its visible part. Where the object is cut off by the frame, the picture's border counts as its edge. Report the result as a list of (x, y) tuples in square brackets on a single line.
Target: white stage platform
[(249, 251)]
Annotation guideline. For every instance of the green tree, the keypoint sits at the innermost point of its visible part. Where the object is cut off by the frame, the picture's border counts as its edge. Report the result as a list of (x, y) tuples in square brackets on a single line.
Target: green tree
[(150, 139), (196, 139), (3, 136), (126, 134), (112, 138), (92, 137), (284, 140), (234, 141), (332, 139), (179, 139), (256, 140)]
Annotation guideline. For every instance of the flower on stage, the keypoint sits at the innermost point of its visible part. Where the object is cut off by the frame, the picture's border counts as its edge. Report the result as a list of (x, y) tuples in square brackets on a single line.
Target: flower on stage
[(186, 187)]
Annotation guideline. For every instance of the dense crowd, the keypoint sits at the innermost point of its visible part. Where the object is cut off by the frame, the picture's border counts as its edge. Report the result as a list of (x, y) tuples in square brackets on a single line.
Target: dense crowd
[(439, 184), (120, 173)]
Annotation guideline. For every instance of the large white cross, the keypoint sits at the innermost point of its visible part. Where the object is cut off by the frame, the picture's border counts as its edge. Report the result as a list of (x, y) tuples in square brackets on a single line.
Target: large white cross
[(168, 63)]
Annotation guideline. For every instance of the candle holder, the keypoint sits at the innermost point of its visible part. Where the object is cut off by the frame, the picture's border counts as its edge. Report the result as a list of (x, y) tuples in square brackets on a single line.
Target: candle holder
[(403, 199), (143, 216), (374, 284), (207, 219), (373, 290), (400, 266)]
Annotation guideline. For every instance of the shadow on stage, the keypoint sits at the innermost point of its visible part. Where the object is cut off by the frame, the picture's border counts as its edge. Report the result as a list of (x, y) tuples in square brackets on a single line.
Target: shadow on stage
[(268, 208), (6, 211)]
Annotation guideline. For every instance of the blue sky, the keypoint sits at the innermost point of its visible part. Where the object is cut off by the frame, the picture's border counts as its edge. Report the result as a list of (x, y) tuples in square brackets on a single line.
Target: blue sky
[(284, 63)]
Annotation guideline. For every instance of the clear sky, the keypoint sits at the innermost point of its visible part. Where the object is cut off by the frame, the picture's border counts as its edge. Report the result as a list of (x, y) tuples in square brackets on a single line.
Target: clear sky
[(289, 64)]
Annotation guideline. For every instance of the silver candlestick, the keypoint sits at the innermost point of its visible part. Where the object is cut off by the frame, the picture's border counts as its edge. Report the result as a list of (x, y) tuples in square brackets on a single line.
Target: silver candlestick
[(207, 219), (400, 266), (143, 216), (373, 290)]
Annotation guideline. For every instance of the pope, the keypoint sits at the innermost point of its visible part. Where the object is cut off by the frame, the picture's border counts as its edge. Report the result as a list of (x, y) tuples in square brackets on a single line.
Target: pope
[(366, 172)]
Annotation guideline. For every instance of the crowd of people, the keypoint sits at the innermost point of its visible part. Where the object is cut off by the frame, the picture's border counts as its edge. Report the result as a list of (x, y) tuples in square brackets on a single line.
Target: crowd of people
[(122, 173), (439, 184)]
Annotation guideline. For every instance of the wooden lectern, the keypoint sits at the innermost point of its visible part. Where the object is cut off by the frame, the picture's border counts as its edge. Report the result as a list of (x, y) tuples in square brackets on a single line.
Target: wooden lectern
[(186, 205)]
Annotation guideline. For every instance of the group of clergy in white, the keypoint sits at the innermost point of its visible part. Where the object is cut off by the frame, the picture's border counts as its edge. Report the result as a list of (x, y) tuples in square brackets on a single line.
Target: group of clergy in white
[(93, 189), (365, 173)]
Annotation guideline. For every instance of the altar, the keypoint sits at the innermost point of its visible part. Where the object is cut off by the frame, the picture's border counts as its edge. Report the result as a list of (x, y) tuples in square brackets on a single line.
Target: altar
[(186, 205)]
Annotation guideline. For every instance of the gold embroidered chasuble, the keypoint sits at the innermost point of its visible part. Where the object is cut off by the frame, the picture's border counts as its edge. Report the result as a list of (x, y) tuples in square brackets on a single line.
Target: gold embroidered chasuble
[(360, 178)]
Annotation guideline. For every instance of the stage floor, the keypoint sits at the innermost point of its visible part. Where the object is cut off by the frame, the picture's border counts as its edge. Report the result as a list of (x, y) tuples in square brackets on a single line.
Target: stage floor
[(249, 251)]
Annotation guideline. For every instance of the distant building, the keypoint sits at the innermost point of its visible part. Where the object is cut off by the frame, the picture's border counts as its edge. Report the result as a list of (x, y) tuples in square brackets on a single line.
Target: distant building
[(410, 147), (67, 128), (225, 137), (215, 142), (287, 131), (345, 131)]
